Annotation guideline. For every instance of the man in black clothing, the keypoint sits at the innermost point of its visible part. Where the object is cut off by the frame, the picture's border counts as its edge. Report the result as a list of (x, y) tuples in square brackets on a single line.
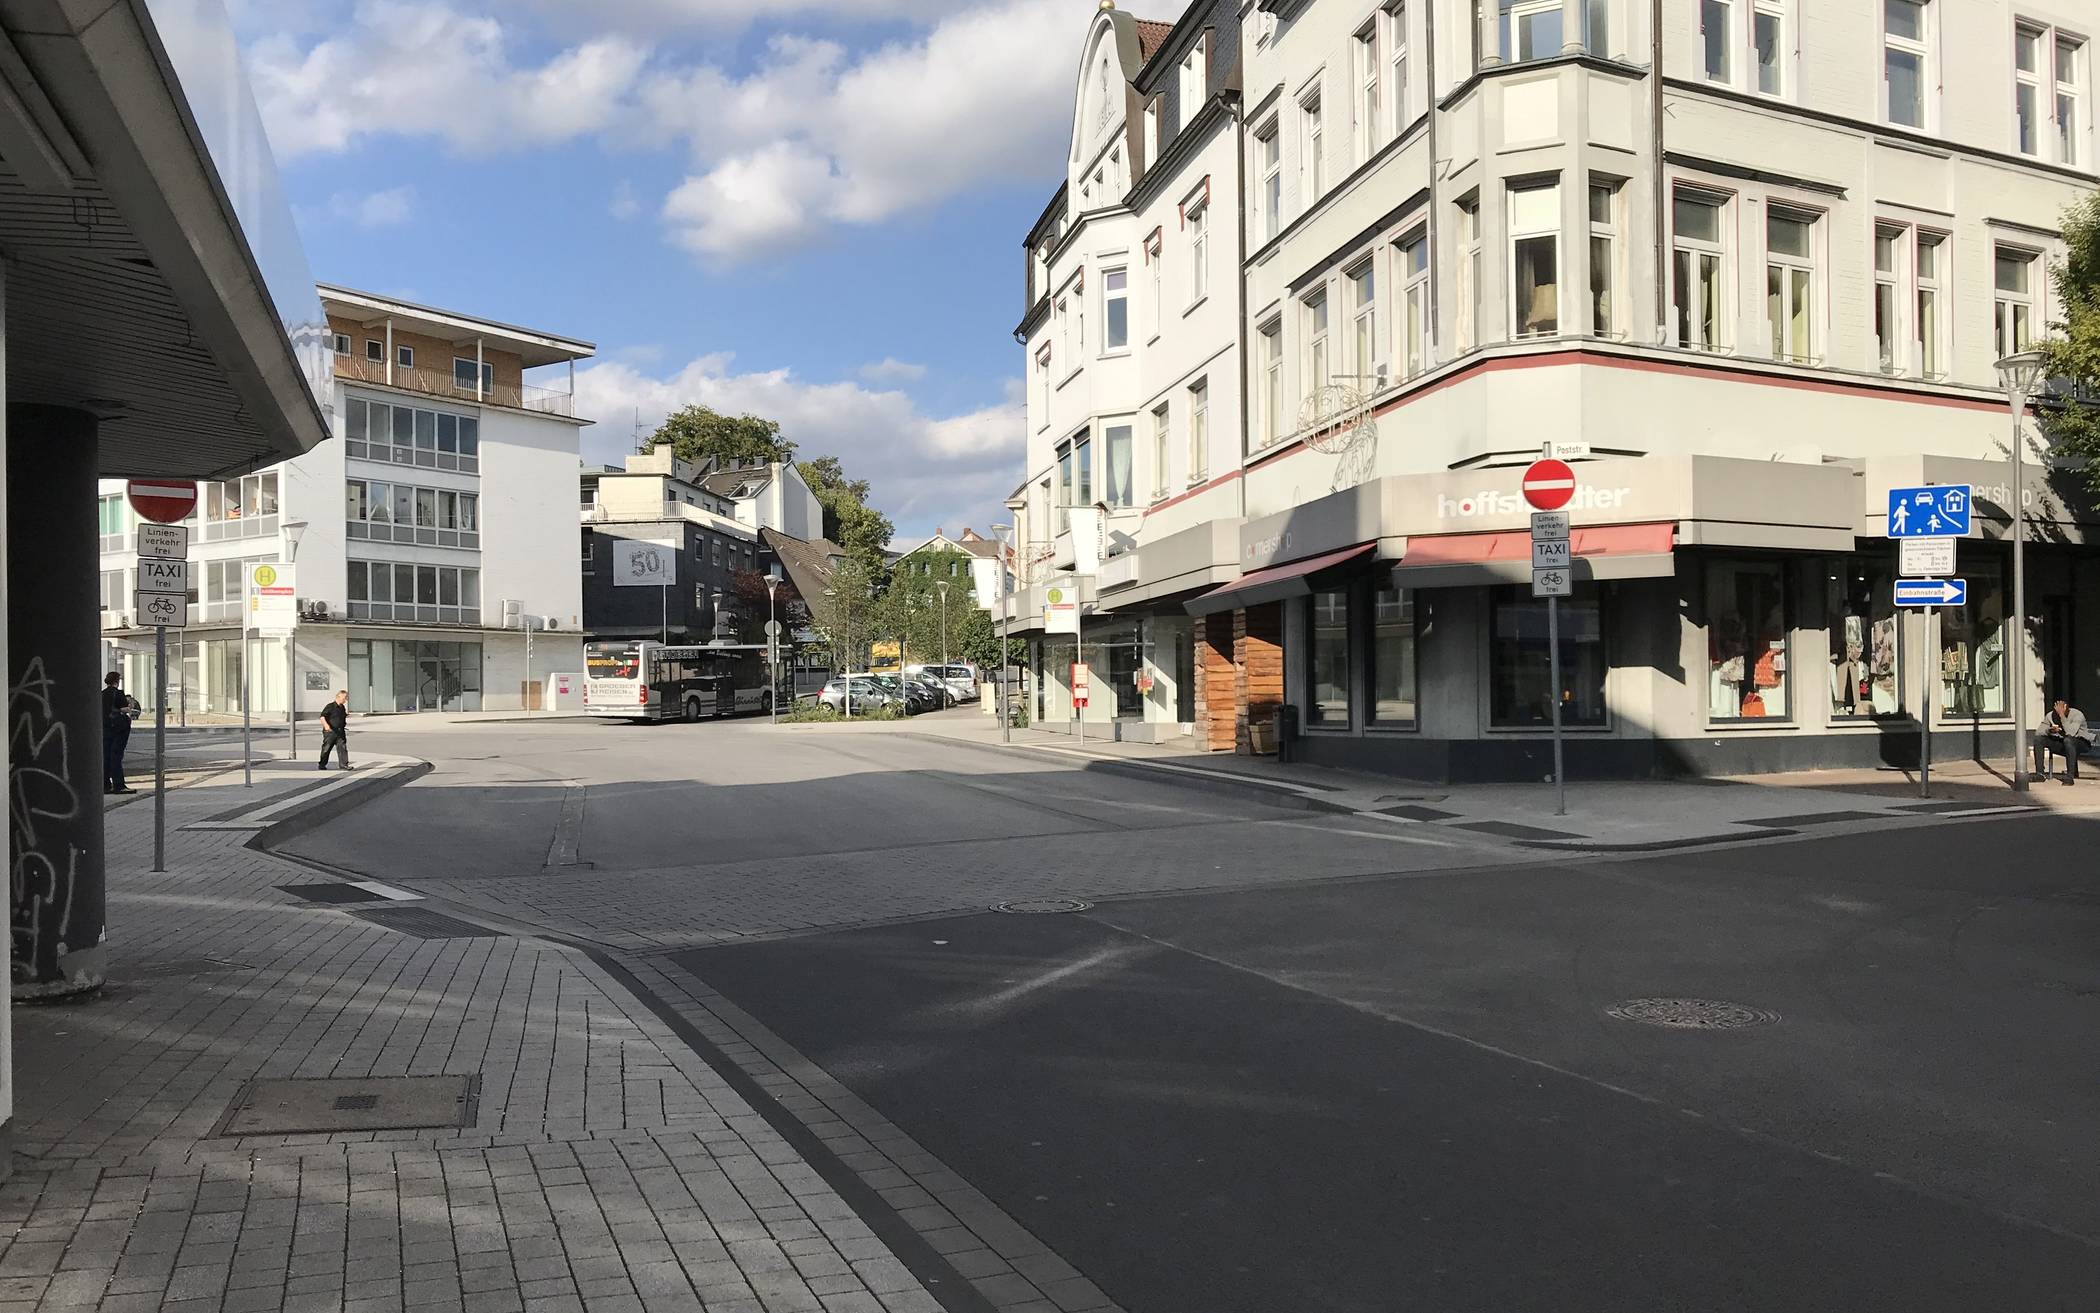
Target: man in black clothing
[(118, 710), (335, 729)]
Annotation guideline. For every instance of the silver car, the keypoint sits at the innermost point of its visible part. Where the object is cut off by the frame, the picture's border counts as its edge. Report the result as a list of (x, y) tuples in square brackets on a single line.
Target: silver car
[(867, 694), (960, 679)]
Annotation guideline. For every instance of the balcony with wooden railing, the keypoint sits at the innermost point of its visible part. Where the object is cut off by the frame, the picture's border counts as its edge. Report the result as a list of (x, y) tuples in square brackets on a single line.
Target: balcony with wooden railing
[(456, 386)]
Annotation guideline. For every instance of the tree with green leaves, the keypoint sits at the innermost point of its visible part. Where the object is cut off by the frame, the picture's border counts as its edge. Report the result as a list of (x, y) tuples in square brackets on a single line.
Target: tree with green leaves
[(980, 643), (915, 605), (847, 616), (699, 433), (2071, 355), (849, 521)]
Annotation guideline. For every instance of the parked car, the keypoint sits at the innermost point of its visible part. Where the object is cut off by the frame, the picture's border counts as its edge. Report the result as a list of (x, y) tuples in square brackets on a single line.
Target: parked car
[(960, 679), (918, 696), (868, 693)]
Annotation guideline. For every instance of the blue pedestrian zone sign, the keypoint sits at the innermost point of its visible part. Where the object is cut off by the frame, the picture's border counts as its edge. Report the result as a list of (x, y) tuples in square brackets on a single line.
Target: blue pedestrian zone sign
[(1939, 511), (1932, 592)]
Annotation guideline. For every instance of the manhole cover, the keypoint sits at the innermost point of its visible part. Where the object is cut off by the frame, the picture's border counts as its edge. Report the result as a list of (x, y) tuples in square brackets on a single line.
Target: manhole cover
[(1042, 906), (1692, 1014), (374, 1103)]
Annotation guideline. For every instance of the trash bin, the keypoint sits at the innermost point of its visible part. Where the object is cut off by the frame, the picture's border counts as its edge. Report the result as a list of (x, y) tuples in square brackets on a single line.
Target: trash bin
[(1286, 733)]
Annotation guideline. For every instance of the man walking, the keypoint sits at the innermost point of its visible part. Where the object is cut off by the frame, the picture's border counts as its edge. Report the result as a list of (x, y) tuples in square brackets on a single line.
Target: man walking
[(335, 729), (118, 711), (2063, 732)]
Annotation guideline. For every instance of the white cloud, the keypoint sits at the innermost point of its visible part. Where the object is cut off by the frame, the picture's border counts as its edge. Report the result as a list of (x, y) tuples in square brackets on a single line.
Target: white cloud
[(892, 370), (814, 136), (380, 209), (925, 470), (625, 203)]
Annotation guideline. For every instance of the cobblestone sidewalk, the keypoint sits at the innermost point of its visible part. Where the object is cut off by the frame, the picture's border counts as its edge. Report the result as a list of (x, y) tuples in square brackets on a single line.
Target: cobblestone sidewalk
[(608, 1167)]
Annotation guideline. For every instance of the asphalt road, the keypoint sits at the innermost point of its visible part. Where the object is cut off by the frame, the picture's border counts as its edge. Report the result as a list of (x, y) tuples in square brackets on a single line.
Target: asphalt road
[(1287, 1064)]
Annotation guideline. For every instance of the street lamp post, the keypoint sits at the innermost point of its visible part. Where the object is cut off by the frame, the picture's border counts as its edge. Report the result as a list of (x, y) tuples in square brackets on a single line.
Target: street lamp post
[(941, 586), (846, 675), (1004, 533), (2020, 373), (293, 531), (773, 647)]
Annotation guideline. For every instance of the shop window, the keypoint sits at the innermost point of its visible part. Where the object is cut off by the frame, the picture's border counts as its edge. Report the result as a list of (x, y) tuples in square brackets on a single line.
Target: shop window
[(1746, 640), (1392, 656), (1327, 659), (1865, 633), (1520, 687), (1972, 647)]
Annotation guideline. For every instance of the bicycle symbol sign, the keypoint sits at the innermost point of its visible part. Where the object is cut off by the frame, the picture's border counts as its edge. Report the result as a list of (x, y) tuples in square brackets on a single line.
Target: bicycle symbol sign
[(161, 610)]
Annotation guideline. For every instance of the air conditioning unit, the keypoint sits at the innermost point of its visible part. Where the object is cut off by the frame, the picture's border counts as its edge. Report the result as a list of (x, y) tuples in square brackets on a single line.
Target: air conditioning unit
[(513, 613), (549, 623)]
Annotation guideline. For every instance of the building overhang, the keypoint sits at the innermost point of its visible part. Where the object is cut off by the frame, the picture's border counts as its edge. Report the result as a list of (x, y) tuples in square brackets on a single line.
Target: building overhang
[(532, 347), (154, 277)]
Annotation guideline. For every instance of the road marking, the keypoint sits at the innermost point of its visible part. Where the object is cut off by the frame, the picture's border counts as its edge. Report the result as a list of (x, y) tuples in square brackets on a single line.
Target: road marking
[(388, 891), (1000, 1000)]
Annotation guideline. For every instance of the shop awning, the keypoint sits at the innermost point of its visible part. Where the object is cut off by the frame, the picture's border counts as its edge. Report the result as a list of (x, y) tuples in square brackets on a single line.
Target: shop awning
[(1459, 560), (1275, 583)]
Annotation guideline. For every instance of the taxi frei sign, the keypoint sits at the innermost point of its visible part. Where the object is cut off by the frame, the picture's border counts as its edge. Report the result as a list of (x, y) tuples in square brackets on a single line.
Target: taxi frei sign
[(273, 598)]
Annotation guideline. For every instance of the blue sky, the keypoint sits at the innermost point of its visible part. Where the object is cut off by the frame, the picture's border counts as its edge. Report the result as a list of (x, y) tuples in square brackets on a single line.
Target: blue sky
[(807, 208)]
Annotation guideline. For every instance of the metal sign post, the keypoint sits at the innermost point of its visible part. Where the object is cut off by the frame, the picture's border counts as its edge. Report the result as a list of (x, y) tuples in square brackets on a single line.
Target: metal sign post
[(160, 748), (162, 548), (1926, 521), (1552, 577)]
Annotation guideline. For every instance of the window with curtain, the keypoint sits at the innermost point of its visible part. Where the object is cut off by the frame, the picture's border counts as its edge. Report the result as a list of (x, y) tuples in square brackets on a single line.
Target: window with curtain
[(1362, 285), (1865, 637), (1115, 307), (1698, 300), (1890, 347), (1468, 317), (2014, 300), (1199, 430), (1327, 658), (1412, 266), (1121, 476), (1790, 284), (1906, 56), (1604, 257), (1272, 424), (1520, 680), (1746, 639), (1931, 251), (1534, 231), (1162, 454)]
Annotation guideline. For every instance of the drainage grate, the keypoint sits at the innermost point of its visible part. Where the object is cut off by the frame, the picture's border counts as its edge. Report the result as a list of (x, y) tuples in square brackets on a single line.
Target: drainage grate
[(1042, 906), (422, 923), (372, 1103), (1692, 1014), (330, 893)]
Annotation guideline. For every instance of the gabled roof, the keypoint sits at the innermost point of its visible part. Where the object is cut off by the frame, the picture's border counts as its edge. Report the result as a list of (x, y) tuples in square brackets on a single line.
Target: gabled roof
[(808, 562), (738, 484)]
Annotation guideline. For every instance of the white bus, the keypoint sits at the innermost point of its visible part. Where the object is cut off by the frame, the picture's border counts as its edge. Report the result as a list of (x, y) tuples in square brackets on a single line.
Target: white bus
[(641, 680)]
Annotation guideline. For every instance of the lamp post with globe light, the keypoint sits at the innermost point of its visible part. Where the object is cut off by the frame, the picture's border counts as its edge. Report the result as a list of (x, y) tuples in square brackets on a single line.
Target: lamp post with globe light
[(2020, 373)]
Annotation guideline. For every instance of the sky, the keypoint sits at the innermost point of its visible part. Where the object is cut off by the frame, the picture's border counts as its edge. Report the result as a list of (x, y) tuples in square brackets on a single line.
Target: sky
[(807, 209)]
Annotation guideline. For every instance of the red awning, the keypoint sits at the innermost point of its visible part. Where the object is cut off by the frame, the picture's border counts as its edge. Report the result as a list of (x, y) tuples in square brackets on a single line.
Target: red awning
[(1275, 583), (1610, 551)]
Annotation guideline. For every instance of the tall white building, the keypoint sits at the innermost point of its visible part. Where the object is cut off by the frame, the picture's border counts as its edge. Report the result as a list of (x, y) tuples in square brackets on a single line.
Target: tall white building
[(430, 538), (1760, 291)]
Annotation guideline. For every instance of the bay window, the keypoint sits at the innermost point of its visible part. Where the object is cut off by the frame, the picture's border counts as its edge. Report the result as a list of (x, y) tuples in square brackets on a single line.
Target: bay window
[(1531, 29), (1790, 284), (1747, 639), (1604, 258), (1534, 232), (1413, 269), (1468, 316), (1697, 280), (1120, 478), (1906, 65)]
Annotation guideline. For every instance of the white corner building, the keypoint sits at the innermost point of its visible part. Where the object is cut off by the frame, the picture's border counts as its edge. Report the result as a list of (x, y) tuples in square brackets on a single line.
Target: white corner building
[(430, 538)]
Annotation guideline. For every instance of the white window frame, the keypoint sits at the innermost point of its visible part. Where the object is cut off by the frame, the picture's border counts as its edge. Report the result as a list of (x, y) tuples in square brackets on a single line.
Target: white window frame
[(1931, 343), (2072, 135), (1197, 220), (1152, 132), (1268, 170), (1042, 386), (1725, 11), (1607, 231), (1699, 249), (1777, 12), (1921, 48), (1893, 337), (1365, 107), (1317, 315), (1467, 312), (1195, 73), (1199, 431), (342, 344), (1396, 47), (1360, 287), (1156, 286), (2035, 83), (1274, 425), (1162, 450), (1414, 334), (405, 357), (2006, 338), (1110, 295), (1312, 147), (1789, 264), (1560, 256)]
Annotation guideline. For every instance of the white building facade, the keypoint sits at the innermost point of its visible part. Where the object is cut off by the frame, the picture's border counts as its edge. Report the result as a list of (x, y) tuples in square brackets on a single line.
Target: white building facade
[(428, 539), (1758, 292)]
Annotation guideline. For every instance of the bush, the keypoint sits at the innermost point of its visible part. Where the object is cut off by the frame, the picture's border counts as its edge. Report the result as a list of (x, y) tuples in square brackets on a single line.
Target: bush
[(814, 712)]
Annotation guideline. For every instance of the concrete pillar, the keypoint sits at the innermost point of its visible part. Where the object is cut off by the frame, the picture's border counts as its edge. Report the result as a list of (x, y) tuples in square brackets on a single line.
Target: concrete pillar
[(54, 710)]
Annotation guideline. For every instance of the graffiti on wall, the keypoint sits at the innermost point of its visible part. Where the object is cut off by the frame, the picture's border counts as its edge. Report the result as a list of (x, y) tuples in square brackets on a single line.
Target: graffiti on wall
[(44, 861)]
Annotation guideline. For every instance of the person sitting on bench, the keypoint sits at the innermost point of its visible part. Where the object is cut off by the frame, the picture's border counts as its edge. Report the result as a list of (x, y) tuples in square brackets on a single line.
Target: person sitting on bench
[(2063, 732)]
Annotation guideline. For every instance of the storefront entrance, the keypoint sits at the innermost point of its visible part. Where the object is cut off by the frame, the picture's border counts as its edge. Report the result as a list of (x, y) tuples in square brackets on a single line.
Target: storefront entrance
[(402, 675)]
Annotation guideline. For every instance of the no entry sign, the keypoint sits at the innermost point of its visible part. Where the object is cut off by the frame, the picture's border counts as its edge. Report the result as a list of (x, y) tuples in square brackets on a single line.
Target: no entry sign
[(163, 501), (1549, 484)]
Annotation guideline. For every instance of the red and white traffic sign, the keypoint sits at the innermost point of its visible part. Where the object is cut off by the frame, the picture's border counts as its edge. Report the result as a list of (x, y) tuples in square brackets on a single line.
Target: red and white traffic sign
[(1549, 484), (163, 501)]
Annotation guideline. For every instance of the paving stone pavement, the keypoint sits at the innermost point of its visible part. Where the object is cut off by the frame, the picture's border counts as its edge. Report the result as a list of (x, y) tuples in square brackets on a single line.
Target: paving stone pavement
[(609, 1166)]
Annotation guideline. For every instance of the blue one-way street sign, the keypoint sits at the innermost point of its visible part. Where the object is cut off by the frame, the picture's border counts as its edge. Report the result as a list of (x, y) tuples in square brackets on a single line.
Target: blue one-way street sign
[(1938, 511), (1932, 592)]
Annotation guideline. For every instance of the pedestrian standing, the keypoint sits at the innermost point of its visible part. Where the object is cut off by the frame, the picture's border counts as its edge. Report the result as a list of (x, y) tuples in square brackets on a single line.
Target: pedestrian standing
[(335, 729), (118, 711)]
